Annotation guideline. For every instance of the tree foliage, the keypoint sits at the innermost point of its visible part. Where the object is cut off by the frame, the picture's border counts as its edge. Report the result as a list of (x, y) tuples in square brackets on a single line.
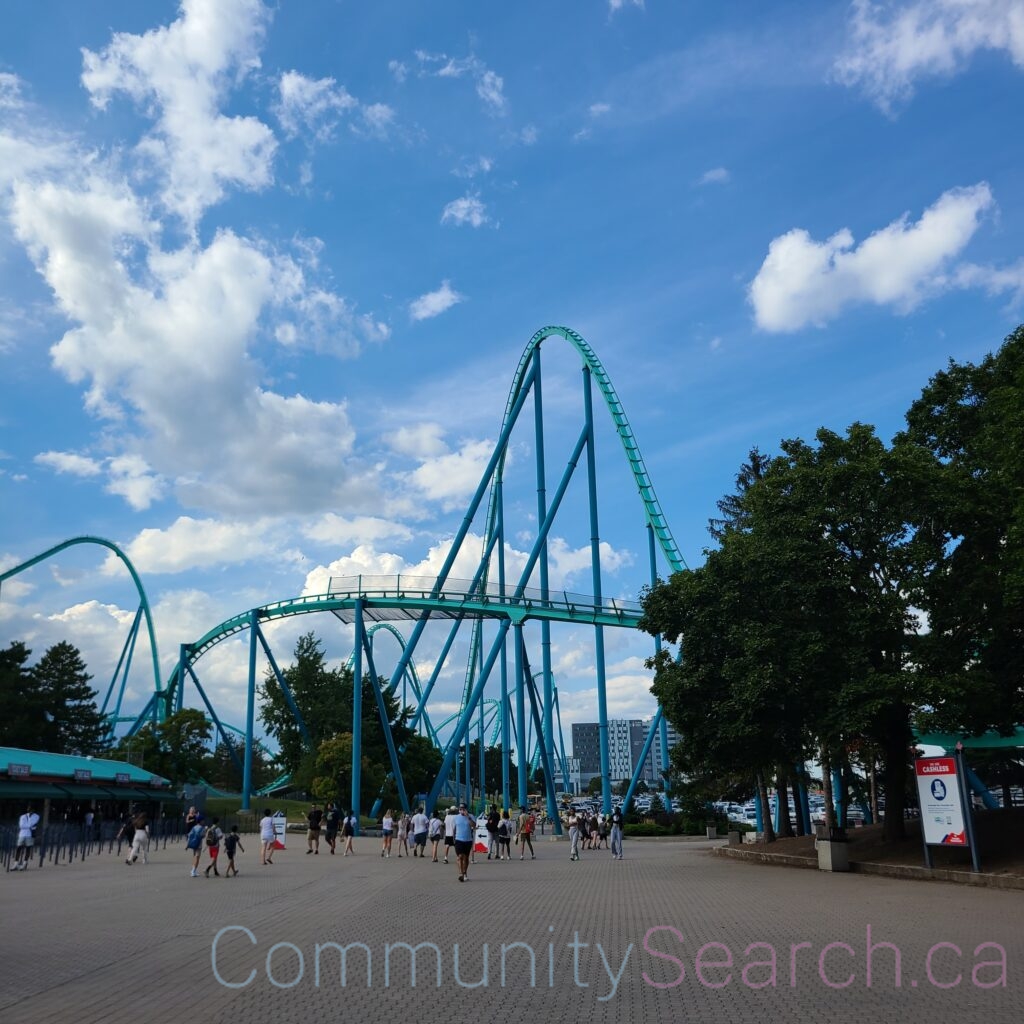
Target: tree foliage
[(49, 705), (802, 633)]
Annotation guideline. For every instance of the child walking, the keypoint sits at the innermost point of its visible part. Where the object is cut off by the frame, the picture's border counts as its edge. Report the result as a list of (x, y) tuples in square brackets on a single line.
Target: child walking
[(232, 841)]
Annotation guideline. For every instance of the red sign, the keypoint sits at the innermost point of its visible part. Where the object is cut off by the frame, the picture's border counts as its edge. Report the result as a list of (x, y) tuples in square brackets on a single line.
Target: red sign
[(936, 766)]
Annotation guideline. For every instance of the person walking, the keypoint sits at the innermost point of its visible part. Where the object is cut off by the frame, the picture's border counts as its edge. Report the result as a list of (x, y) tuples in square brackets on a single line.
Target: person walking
[(313, 819), (194, 844), (574, 836), (140, 839), (449, 831), (232, 842), (616, 843), (348, 831), (332, 822), (419, 825), (505, 829), (387, 832), (403, 833), (524, 828), (27, 825), (435, 830), (493, 821), (214, 835), (267, 837), (465, 826)]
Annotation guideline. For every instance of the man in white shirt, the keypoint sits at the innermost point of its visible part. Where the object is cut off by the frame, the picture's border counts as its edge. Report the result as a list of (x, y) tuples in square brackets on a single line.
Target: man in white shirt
[(26, 839), (420, 823), (449, 831)]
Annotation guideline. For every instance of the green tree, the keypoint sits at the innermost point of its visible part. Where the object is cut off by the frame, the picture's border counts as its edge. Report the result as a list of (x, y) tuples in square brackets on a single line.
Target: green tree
[(22, 718), (970, 418), (177, 748), (492, 768), (224, 773), (73, 722)]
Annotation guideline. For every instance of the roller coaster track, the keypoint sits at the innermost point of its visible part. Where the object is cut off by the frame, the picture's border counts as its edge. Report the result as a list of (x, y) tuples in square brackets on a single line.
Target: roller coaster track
[(111, 546)]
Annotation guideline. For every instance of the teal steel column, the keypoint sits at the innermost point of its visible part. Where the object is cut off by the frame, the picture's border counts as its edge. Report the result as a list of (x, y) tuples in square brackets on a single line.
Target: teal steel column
[(547, 732), (522, 755), (655, 722), (595, 562), (506, 738), (179, 697), (357, 714), (250, 709)]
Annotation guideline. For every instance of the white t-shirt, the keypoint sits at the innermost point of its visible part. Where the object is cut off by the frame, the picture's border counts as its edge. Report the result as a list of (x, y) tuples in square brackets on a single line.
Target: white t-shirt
[(449, 825), (388, 824), (26, 823), (267, 828), (436, 826), (420, 823)]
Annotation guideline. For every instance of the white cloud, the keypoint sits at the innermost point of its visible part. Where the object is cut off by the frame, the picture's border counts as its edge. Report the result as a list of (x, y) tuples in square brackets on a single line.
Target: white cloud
[(715, 176), (529, 135), (617, 5), (69, 462), (340, 530), (994, 280), (599, 109), (490, 86), (399, 69), (377, 119), (10, 91), (805, 282), (466, 210), (892, 46), (419, 440), (189, 544), (315, 105), (453, 476), (435, 303), (130, 477), (181, 73), (471, 168)]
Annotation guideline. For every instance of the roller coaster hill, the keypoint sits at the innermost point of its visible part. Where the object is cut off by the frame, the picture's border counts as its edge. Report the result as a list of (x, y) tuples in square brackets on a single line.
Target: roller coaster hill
[(500, 617)]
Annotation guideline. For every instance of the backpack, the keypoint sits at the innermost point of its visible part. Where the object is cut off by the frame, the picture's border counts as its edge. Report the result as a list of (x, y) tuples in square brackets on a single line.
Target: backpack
[(212, 836), (195, 837)]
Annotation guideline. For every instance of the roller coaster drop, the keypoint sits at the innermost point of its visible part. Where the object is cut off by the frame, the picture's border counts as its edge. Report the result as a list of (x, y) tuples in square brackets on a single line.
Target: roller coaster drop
[(488, 598)]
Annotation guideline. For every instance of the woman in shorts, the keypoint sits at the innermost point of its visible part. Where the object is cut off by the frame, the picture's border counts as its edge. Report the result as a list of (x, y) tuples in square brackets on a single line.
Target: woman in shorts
[(403, 834), (267, 837), (387, 830)]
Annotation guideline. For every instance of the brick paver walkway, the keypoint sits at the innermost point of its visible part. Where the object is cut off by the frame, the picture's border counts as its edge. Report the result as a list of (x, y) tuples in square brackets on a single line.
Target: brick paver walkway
[(98, 941)]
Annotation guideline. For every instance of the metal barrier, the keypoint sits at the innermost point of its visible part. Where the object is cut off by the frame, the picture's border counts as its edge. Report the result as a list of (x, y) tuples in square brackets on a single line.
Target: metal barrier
[(64, 843)]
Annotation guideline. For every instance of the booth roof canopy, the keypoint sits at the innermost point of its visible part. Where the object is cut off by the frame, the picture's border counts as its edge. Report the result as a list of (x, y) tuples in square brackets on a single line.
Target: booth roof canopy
[(44, 764)]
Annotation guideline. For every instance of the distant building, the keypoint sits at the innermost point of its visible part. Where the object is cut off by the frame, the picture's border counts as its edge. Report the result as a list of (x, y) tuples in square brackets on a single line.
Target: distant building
[(626, 739)]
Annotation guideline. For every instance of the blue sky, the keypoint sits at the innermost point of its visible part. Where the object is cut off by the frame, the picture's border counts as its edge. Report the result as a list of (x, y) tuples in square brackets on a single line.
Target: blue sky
[(266, 273)]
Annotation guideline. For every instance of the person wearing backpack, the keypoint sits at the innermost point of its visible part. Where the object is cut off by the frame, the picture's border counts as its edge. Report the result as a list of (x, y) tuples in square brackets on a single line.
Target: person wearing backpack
[(232, 842), (194, 844), (212, 840), (505, 828)]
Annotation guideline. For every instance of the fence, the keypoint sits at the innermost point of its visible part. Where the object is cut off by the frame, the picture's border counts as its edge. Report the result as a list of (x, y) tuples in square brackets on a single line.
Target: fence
[(63, 843)]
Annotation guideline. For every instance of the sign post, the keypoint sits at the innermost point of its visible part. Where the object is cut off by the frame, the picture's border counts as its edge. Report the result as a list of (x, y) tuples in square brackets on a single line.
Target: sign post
[(946, 818)]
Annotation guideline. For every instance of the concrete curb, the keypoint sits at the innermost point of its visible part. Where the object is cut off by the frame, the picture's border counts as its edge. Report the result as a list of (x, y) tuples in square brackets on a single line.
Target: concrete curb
[(905, 871)]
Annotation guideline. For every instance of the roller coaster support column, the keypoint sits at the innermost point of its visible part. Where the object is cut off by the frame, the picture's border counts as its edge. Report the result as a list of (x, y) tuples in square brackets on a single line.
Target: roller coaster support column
[(504, 709), (463, 723), (250, 709), (644, 753), (662, 724), (228, 742), (521, 752), (595, 561), (546, 734), (179, 694), (357, 715), (396, 771), (805, 806)]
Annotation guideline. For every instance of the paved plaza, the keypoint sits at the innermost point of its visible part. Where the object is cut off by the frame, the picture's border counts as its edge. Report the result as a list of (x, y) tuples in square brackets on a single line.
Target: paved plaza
[(608, 940)]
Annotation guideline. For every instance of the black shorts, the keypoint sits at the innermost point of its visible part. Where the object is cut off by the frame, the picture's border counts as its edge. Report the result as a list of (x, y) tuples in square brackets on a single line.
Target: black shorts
[(420, 839), (464, 848), (449, 840)]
